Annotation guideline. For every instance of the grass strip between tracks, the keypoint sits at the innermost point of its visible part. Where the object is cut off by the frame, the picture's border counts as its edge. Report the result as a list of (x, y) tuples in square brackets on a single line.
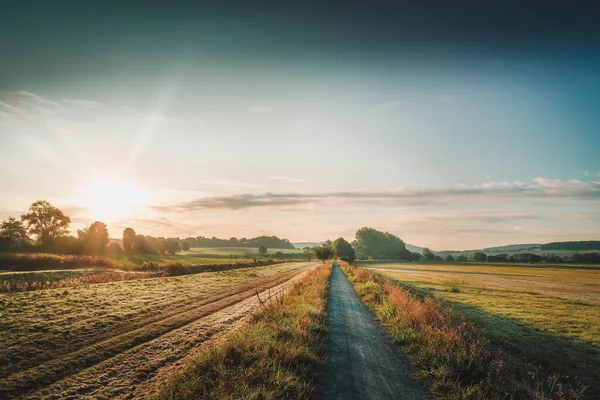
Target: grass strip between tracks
[(279, 353)]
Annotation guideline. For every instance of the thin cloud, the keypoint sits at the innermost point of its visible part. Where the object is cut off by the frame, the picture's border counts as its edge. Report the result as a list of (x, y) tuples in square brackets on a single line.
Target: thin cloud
[(79, 102), (286, 179), (539, 189), (12, 108)]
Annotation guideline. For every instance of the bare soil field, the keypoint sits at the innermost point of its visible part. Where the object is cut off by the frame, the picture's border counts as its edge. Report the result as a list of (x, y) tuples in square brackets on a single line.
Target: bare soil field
[(105, 340)]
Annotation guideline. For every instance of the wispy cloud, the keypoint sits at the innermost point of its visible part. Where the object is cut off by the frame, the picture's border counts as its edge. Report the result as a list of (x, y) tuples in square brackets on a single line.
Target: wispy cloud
[(286, 179), (12, 108), (229, 182), (81, 103), (539, 189)]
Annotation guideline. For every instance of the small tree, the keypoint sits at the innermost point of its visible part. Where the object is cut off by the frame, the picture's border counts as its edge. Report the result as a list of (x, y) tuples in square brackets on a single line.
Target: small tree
[(279, 255), (324, 252), (427, 254), (95, 238), (185, 246), (13, 234), (479, 256), (173, 246), (262, 250), (128, 240), (449, 258), (343, 250), (46, 222)]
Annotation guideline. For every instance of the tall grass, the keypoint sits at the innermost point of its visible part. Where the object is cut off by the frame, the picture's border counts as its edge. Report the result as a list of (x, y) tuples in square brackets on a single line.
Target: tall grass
[(40, 261), (8, 286), (452, 355), (276, 356)]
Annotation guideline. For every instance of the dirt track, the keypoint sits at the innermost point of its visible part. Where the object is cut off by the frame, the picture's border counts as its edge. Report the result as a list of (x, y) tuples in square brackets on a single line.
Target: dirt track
[(129, 364), (362, 363)]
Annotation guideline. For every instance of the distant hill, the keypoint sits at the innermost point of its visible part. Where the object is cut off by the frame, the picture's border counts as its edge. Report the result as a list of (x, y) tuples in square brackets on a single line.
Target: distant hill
[(414, 249), (301, 245), (574, 246), (513, 247)]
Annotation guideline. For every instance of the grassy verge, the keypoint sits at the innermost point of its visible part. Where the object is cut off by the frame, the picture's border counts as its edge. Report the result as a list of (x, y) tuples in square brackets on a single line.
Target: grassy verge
[(452, 354), (277, 355)]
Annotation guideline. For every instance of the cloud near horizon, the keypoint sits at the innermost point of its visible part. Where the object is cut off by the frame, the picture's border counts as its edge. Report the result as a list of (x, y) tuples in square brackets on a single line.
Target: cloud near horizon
[(540, 189)]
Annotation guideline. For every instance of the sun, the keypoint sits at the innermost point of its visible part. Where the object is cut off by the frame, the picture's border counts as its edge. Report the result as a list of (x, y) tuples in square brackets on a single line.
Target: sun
[(115, 198)]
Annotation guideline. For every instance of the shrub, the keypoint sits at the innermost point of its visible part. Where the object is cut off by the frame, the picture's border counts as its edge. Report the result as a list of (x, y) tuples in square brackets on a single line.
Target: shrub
[(176, 269)]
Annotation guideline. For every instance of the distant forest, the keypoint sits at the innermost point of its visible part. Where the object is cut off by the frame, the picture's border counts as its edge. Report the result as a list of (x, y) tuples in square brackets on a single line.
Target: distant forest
[(581, 245), (270, 242)]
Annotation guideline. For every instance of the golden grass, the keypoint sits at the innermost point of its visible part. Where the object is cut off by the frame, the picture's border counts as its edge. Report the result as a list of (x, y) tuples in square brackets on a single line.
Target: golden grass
[(549, 316)]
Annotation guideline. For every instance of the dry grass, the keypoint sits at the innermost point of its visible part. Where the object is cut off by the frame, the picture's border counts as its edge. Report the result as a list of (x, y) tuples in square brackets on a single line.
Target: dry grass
[(42, 261), (53, 333), (39, 280), (452, 353), (276, 356)]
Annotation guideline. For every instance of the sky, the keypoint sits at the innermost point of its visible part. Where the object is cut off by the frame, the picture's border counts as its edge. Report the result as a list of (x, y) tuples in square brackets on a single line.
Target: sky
[(455, 126)]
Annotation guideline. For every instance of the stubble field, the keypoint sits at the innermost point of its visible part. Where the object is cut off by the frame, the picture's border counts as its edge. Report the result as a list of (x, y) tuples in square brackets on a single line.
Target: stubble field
[(547, 315), (105, 340)]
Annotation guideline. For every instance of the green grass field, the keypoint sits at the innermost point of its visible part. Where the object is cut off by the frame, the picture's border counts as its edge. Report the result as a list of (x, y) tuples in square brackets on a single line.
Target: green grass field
[(240, 251), (550, 316)]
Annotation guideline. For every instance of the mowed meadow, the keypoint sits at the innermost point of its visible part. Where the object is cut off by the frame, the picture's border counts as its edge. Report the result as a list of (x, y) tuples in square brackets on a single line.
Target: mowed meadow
[(74, 340), (548, 315)]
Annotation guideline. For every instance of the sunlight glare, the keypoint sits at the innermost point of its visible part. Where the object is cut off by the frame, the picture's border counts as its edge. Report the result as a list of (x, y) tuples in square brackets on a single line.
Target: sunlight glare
[(113, 198)]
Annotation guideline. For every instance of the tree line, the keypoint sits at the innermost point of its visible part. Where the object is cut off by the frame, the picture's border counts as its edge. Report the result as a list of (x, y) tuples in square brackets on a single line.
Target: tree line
[(44, 228), (574, 246), (271, 242)]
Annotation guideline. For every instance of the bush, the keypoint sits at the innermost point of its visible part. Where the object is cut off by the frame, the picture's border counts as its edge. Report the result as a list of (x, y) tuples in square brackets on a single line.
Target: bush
[(176, 269)]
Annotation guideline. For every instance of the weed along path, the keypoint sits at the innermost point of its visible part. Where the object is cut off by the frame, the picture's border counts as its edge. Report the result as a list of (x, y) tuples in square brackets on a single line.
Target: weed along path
[(362, 363)]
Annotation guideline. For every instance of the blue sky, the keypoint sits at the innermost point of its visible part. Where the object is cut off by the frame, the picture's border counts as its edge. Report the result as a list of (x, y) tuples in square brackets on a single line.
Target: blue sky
[(305, 122)]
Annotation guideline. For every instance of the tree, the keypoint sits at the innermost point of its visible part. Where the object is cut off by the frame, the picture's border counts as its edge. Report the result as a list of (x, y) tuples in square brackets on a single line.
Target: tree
[(128, 240), (185, 246), (343, 250), (380, 245), (427, 254), (449, 258), (262, 250), (46, 222), (479, 256), (173, 246), (13, 235), (278, 255), (95, 238), (324, 252)]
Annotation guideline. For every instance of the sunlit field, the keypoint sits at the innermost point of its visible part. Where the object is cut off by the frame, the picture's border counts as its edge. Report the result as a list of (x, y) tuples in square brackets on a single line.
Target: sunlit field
[(56, 334), (237, 251), (549, 315)]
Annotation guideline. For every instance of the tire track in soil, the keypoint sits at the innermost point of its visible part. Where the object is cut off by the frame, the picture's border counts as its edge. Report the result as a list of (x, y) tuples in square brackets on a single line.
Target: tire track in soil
[(28, 362), (137, 372), (21, 383)]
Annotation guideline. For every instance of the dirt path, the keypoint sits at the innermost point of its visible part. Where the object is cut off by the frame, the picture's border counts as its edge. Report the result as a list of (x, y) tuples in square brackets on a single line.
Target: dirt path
[(362, 363), (122, 364)]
